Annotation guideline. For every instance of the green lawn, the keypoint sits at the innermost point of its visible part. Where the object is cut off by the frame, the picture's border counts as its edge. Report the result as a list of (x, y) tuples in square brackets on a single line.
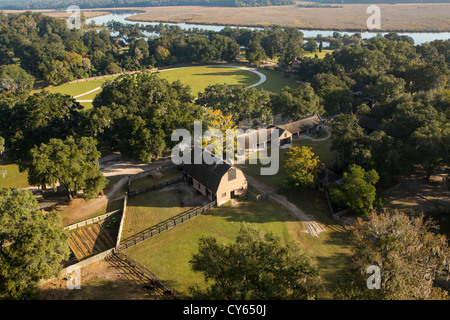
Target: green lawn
[(13, 178), (149, 181), (319, 148), (276, 81), (151, 208), (198, 78), (75, 89), (320, 55), (168, 254)]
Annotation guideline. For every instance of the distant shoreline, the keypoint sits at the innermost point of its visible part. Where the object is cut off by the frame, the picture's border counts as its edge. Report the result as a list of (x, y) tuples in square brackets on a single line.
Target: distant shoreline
[(400, 18), (356, 30)]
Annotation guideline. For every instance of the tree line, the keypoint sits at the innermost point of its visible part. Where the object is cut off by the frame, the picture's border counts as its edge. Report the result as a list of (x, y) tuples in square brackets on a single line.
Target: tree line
[(89, 4), (49, 51)]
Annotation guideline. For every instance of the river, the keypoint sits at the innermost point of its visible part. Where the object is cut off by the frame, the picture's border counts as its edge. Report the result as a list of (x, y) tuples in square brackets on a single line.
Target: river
[(419, 37)]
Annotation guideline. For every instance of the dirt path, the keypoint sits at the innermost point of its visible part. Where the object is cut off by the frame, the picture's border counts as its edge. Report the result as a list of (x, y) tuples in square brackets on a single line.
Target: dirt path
[(122, 167), (312, 227)]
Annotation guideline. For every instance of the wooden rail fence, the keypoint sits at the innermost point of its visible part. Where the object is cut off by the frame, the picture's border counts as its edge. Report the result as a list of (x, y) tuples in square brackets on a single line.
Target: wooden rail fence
[(156, 187), (157, 229)]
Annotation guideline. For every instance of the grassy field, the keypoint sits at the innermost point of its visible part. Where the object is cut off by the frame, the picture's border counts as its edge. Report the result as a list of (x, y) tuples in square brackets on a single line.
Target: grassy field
[(394, 17), (198, 78), (168, 254), (276, 81), (320, 55), (319, 148), (151, 208), (13, 178), (148, 181), (77, 88)]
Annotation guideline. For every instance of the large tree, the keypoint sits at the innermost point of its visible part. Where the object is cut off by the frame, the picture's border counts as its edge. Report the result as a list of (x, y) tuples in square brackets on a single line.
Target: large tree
[(71, 163), (302, 167), (432, 143), (40, 117), (358, 191), (345, 139), (13, 78), (256, 265), (241, 103), (33, 244), (407, 251), (140, 111), (296, 103)]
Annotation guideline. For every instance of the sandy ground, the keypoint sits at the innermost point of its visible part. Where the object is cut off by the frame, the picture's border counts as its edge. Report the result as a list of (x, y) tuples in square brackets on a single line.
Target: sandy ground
[(416, 194), (109, 279)]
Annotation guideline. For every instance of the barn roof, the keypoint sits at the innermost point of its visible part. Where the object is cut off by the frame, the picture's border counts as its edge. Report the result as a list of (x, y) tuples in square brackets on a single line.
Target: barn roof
[(208, 175), (301, 124)]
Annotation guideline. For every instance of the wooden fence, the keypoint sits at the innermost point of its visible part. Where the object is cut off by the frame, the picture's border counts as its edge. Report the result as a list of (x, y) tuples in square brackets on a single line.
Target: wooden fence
[(166, 290), (156, 187), (157, 229), (122, 221), (92, 220)]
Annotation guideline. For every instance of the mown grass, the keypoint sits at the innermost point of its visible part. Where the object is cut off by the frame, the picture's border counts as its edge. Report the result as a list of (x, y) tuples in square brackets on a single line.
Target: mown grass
[(168, 254), (320, 55), (151, 208), (77, 88), (276, 81), (198, 78), (319, 148), (13, 177), (149, 181)]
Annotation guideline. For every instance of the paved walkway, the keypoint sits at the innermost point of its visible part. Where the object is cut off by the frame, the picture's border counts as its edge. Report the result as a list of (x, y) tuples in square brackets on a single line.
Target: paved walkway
[(262, 78)]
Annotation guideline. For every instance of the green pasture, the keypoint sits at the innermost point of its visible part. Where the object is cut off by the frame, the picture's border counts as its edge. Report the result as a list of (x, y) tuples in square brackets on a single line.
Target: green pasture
[(319, 148), (11, 177), (198, 78), (168, 254)]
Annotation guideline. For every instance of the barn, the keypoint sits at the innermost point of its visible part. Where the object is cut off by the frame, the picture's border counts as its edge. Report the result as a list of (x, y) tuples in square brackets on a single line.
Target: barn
[(218, 182)]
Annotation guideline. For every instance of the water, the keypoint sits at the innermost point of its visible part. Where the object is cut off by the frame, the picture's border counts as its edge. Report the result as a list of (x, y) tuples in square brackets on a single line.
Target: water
[(419, 37)]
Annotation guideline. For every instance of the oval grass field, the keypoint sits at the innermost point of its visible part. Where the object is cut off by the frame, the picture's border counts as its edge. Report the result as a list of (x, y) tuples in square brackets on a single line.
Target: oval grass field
[(198, 78)]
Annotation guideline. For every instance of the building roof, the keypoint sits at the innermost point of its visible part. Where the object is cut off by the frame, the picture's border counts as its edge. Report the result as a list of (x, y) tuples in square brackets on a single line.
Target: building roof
[(301, 124), (208, 175)]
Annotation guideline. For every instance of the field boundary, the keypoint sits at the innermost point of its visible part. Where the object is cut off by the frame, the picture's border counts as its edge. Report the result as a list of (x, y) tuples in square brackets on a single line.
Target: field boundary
[(136, 176), (262, 77), (157, 229), (122, 220), (91, 220), (167, 291), (155, 187)]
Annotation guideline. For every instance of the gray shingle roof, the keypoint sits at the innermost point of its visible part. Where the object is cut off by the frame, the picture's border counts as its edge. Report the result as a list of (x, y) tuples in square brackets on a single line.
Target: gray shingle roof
[(302, 124), (208, 175)]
